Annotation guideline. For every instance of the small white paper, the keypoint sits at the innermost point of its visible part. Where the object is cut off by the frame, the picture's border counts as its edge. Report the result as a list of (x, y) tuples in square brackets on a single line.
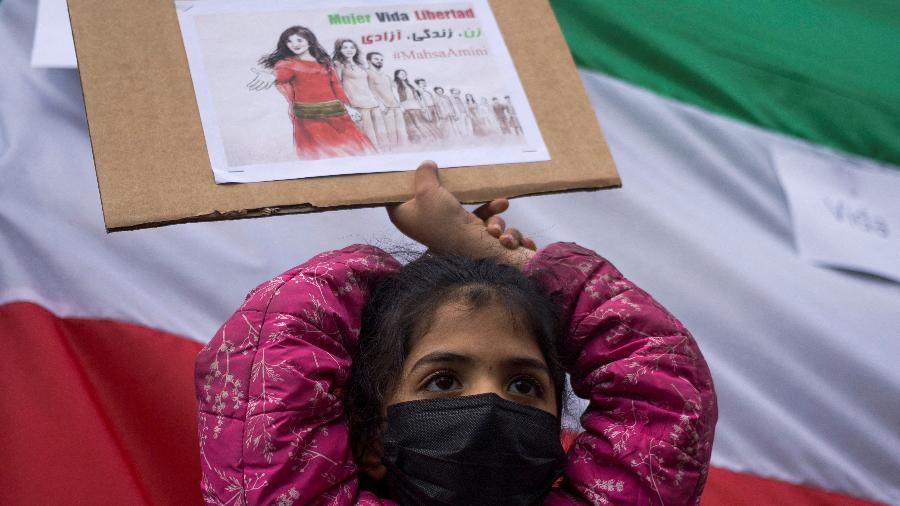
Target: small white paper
[(845, 210), (53, 45)]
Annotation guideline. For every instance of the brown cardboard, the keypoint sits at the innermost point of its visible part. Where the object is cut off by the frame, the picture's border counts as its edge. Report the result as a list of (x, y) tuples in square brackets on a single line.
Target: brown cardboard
[(150, 154)]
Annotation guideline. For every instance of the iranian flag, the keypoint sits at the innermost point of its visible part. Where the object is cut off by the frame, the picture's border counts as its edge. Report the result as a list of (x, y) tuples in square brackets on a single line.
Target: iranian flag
[(706, 106)]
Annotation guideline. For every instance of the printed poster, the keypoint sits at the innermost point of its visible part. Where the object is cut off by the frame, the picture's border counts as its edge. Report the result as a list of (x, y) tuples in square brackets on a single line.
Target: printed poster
[(290, 89)]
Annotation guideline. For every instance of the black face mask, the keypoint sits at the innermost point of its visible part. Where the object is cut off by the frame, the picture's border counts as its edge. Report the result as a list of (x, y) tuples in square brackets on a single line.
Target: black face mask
[(477, 449)]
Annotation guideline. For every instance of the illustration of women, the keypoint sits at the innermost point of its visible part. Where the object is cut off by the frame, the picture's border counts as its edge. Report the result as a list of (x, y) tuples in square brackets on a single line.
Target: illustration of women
[(418, 127), (355, 81), (319, 108)]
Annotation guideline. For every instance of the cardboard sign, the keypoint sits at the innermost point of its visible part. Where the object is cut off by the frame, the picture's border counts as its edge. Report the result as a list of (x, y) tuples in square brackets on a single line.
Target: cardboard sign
[(150, 152)]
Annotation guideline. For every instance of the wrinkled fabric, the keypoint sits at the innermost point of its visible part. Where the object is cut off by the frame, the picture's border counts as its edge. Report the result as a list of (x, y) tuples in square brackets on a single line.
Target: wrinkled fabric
[(272, 426)]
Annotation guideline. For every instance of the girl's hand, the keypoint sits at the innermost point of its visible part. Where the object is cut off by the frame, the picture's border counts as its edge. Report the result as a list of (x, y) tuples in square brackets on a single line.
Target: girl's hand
[(435, 218)]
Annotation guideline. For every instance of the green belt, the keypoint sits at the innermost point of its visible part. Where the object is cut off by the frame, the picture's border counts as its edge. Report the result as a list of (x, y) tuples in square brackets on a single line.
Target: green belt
[(316, 110)]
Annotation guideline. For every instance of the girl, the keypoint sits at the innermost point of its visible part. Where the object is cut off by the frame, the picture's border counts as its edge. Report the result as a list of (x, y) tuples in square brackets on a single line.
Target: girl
[(353, 380), (355, 80), (319, 108)]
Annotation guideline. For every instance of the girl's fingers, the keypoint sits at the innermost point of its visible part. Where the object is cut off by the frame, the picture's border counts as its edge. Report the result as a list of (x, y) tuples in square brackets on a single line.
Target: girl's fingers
[(426, 177), (495, 226), (529, 244), (512, 238), (492, 208)]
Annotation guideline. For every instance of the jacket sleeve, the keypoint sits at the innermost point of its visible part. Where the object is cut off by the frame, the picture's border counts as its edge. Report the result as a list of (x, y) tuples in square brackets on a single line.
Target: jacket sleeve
[(652, 407), (272, 429)]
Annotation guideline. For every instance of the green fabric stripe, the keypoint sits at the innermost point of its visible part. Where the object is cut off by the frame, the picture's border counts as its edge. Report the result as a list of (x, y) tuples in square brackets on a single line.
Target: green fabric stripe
[(827, 71)]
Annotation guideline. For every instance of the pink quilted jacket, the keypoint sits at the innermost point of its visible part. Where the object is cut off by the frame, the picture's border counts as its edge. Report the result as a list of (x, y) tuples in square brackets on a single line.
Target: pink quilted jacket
[(272, 426)]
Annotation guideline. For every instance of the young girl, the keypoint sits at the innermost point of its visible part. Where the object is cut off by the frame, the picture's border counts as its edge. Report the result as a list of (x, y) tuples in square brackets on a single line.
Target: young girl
[(352, 380)]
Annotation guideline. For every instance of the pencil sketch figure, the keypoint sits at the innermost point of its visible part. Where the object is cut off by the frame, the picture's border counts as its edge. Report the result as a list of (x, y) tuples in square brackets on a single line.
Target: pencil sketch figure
[(444, 112), (322, 114), (355, 80), (381, 85), (513, 118), (427, 99), (418, 128), (462, 123), (502, 116), (487, 114), (479, 123)]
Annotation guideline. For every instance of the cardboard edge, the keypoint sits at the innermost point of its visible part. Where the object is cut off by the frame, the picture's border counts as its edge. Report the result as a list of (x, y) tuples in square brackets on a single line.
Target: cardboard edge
[(290, 209)]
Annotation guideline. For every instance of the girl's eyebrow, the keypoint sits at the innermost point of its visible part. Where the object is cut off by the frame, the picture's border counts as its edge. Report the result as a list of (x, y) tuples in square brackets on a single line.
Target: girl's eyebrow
[(526, 363), (446, 357), (441, 357)]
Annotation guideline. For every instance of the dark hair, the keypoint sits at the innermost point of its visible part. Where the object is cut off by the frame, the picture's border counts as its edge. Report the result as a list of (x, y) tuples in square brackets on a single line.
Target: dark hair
[(373, 53), (402, 308), (403, 84), (419, 80), (470, 99), (438, 88), (282, 52), (339, 57)]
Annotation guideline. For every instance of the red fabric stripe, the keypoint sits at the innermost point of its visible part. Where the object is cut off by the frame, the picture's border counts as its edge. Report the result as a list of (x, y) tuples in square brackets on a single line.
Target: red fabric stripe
[(95, 412), (740, 489), (103, 412)]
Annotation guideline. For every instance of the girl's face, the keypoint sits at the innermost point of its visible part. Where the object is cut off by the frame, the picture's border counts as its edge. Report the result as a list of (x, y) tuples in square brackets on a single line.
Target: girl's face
[(348, 49), (476, 351), (401, 74), (297, 44)]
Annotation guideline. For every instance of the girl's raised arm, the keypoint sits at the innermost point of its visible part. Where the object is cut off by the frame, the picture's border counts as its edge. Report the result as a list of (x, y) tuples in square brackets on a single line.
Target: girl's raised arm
[(649, 425), (272, 426)]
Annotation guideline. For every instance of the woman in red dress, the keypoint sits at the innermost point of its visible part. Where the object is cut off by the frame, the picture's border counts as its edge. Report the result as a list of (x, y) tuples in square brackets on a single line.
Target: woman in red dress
[(319, 108)]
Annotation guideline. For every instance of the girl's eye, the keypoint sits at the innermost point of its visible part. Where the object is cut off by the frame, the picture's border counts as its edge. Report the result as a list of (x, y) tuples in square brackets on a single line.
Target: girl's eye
[(526, 386), (442, 383)]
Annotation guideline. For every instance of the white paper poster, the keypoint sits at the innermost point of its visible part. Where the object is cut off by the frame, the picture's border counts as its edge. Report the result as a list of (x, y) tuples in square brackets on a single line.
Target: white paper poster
[(846, 211), (292, 90)]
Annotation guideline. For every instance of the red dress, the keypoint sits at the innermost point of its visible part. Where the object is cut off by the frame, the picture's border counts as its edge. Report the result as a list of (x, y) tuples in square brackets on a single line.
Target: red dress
[(322, 127)]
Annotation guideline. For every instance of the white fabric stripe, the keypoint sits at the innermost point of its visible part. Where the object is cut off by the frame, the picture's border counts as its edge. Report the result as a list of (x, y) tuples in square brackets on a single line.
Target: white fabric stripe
[(803, 357)]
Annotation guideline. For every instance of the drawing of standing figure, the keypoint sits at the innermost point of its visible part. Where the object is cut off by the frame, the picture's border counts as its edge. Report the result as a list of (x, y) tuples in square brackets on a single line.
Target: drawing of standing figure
[(427, 100), (513, 118), (445, 113), (381, 85), (487, 113), (417, 126), (462, 124), (319, 108), (502, 116), (479, 123), (355, 80)]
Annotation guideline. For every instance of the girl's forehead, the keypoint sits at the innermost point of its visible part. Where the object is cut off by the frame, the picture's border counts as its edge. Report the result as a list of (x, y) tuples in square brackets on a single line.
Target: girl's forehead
[(489, 333)]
